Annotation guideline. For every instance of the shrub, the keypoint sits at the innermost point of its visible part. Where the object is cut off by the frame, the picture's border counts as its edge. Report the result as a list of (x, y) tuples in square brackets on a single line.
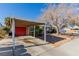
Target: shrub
[(38, 31), (7, 29)]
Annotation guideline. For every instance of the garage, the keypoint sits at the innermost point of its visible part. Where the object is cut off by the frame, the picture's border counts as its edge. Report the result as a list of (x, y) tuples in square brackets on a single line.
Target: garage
[(21, 31)]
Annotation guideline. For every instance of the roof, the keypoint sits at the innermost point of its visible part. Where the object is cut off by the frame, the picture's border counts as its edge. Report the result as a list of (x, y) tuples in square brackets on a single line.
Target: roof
[(24, 23)]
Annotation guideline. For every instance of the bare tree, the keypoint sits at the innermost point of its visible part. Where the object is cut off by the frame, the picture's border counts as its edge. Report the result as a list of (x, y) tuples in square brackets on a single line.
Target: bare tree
[(59, 14)]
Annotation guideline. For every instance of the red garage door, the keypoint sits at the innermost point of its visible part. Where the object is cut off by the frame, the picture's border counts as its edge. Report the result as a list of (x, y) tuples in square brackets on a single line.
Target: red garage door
[(21, 31)]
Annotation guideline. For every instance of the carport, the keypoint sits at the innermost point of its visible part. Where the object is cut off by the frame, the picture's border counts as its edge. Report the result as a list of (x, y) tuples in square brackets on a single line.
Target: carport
[(24, 23)]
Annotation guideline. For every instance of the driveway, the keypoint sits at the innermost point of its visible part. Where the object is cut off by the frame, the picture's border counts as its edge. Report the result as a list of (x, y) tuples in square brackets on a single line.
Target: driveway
[(68, 49), (37, 47)]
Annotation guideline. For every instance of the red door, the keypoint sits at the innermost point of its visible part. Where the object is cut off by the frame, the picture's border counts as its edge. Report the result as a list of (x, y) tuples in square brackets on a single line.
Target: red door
[(21, 31)]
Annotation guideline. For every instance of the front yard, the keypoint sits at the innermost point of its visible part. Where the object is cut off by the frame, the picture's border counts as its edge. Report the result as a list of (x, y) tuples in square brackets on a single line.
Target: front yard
[(31, 46)]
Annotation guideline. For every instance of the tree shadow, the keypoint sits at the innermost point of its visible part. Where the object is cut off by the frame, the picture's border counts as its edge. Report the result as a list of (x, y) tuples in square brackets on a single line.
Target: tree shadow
[(19, 51)]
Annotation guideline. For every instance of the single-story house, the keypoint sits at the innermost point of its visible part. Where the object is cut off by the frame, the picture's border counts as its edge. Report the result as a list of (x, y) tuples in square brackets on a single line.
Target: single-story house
[(21, 28)]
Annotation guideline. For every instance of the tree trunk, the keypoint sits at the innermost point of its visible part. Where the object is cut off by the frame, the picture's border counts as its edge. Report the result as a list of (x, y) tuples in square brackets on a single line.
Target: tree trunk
[(57, 27), (57, 30)]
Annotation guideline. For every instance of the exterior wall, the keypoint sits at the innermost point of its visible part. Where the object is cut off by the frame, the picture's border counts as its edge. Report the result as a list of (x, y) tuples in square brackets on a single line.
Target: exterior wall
[(71, 31), (21, 31)]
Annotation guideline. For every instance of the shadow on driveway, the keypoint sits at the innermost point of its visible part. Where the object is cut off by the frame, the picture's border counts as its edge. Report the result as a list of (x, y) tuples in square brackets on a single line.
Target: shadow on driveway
[(19, 51)]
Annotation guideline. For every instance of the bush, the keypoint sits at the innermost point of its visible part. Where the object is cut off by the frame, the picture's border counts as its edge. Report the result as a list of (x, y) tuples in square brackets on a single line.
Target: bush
[(38, 31), (7, 29), (2, 33)]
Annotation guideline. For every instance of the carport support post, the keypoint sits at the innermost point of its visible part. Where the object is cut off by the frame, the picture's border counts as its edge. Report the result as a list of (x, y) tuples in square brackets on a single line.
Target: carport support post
[(13, 35), (44, 32), (34, 30), (28, 31)]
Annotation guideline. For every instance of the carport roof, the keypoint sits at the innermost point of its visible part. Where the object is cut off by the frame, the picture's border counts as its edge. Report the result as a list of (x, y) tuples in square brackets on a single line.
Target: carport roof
[(24, 23)]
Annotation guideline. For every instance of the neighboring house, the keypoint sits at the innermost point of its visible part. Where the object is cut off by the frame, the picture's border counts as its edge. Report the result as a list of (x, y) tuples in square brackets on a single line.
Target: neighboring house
[(70, 29)]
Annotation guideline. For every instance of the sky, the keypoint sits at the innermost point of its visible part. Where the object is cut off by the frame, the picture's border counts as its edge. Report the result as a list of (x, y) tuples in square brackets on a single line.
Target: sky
[(31, 11), (21, 10)]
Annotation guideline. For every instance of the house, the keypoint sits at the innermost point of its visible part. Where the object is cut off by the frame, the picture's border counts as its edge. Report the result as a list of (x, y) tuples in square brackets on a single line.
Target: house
[(21, 27), (70, 29)]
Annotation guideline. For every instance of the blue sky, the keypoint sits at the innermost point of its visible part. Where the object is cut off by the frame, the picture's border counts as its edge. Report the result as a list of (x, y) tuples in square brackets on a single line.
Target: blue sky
[(25, 11)]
